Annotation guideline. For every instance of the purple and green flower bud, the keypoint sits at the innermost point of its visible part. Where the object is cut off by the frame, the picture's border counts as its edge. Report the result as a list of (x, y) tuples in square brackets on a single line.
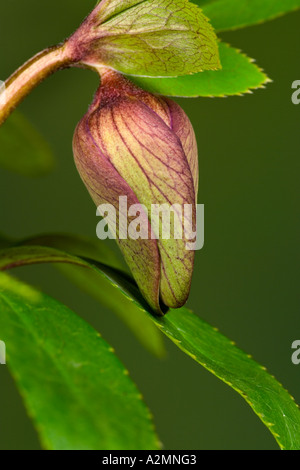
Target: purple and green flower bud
[(134, 144)]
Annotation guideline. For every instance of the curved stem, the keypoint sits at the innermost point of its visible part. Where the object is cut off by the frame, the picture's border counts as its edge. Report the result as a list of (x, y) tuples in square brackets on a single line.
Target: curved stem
[(29, 75)]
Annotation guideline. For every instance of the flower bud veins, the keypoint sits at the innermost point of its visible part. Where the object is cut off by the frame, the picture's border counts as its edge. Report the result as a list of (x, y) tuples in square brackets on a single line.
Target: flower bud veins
[(132, 143)]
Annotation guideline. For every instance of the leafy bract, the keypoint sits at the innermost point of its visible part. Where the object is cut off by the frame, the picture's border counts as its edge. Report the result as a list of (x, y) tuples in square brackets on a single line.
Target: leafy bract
[(203, 343), (23, 149), (233, 14), (150, 38), (238, 75), (75, 389)]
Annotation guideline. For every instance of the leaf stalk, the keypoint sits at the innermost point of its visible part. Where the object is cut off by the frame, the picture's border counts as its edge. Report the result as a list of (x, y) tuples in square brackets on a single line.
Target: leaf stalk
[(30, 74)]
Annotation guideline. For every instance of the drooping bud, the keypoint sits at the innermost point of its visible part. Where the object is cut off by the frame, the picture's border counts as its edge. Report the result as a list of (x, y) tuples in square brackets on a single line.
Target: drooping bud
[(134, 144)]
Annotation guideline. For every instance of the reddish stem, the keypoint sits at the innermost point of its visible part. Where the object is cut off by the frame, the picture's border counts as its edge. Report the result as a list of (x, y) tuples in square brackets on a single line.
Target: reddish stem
[(29, 75)]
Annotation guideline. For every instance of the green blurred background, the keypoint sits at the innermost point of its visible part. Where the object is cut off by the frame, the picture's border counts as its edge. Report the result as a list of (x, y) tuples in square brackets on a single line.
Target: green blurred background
[(245, 277)]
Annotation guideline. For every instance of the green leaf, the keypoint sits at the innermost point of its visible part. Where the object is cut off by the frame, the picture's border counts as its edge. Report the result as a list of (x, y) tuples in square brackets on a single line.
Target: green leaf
[(98, 287), (26, 255), (77, 392), (104, 267), (203, 343), (238, 75), (131, 315), (206, 345), (23, 149), (150, 38), (233, 14)]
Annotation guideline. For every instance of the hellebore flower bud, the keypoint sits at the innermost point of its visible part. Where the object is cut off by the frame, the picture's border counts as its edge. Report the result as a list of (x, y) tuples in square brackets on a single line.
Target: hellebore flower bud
[(134, 144)]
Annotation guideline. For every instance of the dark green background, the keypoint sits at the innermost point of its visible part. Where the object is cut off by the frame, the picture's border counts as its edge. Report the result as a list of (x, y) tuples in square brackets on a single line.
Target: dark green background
[(245, 280)]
